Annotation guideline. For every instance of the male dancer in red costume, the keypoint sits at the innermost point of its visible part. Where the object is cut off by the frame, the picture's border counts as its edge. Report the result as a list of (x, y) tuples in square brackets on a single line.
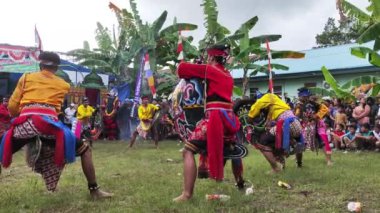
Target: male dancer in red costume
[(215, 133)]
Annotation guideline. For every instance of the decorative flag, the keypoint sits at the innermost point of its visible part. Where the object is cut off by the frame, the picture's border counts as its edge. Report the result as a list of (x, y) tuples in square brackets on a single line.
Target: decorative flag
[(180, 47), (269, 67), (149, 75), (138, 85), (37, 38)]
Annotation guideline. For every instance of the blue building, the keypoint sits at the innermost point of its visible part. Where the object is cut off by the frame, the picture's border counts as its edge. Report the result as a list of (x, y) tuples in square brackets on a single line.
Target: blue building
[(306, 72)]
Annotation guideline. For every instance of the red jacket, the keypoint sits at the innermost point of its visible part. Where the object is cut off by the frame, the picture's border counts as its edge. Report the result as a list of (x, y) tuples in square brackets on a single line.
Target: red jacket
[(219, 80)]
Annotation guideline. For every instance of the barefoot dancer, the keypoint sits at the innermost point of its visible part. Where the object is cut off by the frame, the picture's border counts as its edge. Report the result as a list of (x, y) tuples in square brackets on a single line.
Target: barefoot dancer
[(37, 101)]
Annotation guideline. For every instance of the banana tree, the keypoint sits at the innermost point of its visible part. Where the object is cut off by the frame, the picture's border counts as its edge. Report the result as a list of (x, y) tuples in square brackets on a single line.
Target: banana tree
[(370, 85), (370, 22), (247, 51)]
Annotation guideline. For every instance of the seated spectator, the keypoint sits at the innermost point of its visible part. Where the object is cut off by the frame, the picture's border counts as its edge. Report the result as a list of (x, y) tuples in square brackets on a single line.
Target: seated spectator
[(348, 139), (365, 138), (336, 136), (376, 133)]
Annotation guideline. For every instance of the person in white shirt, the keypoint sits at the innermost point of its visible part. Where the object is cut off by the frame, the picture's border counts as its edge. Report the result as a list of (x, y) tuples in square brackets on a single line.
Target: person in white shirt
[(376, 133), (69, 115)]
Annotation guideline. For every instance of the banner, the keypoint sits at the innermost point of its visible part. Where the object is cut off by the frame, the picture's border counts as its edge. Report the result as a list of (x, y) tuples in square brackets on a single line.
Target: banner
[(138, 84)]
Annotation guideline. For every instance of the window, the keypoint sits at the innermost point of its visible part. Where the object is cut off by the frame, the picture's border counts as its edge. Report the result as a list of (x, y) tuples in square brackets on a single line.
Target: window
[(310, 84), (252, 92), (277, 90)]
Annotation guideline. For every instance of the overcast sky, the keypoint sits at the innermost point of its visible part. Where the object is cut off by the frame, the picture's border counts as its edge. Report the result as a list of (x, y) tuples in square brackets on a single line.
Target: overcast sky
[(64, 25)]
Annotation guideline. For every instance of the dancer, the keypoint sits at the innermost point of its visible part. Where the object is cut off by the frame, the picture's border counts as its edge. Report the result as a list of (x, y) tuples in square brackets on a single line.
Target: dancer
[(312, 114), (109, 116), (282, 131), (5, 117), (216, 132), (145, 113), (50, 143)]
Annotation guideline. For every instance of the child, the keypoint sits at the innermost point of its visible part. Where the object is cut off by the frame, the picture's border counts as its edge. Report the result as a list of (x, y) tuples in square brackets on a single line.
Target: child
[(336, 136), (349, 138)]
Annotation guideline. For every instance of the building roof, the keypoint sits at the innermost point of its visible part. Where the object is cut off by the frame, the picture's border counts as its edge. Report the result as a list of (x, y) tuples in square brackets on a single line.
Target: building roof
[(333, 58)]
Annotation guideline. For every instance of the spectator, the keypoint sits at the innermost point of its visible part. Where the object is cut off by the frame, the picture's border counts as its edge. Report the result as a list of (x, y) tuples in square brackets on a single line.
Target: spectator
[(340, 117), (373, 112), (365, 138), (70, 115), (361, 112), (376, 133), (336, 136), (349, 138)]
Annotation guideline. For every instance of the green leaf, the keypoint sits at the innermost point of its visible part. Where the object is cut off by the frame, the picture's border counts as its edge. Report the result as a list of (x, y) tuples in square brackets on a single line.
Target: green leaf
[(375, 90), (238, 91), (374, 59), (361, 52), (262, 39), (322, 91), (157, 25), (370, 34), (248, 25), (376, 46), (354, 11), (177, 27), (228, 39), (211, 16)]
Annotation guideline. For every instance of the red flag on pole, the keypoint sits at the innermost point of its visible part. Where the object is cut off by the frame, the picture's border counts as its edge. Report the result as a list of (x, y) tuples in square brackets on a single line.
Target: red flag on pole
[(37, 38), (269, 67), (180, 47)]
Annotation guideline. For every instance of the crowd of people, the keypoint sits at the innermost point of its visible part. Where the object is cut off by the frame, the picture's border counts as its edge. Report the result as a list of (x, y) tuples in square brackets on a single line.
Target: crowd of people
[(349, 125)]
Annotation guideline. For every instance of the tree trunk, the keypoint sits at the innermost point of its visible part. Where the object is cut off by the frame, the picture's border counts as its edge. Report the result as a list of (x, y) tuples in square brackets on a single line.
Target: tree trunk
[(245, 81)]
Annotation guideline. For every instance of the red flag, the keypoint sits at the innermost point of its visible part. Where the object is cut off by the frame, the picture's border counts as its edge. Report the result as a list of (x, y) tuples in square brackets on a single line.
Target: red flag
[(269, 67), (37, 38), (180, 47)]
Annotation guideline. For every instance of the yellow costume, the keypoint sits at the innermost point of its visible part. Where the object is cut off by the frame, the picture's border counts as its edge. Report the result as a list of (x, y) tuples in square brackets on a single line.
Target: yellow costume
[(275, 104), (44, 88), (145, 113), (84, 112)]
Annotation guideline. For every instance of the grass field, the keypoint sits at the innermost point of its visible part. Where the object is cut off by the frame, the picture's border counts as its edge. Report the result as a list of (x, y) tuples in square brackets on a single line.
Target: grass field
[(144, 181)]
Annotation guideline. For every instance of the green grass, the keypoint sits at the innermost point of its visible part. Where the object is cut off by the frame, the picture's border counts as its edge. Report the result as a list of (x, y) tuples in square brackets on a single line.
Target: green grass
[(143, 181)]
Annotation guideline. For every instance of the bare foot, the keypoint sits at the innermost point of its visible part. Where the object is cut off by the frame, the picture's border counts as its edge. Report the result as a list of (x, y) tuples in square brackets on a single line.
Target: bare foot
[(181, 198)]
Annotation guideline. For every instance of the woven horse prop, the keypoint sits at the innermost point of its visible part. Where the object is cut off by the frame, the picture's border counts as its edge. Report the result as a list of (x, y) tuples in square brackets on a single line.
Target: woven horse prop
[(252, 130)]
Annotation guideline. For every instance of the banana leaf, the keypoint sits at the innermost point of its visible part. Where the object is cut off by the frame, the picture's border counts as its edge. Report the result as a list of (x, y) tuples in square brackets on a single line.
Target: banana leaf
[(370, 34), (178, 27), (362, 80), (322, 91), (248, 25), (157, 25), (211, 16), (361, 52), (353, 11), (374, 59), (287, 54), (262, 39)]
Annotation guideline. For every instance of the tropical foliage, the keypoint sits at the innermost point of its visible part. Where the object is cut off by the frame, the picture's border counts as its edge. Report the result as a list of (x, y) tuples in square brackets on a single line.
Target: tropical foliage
[(246, 50), (369, 85), (369, 21), (121, 54)]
